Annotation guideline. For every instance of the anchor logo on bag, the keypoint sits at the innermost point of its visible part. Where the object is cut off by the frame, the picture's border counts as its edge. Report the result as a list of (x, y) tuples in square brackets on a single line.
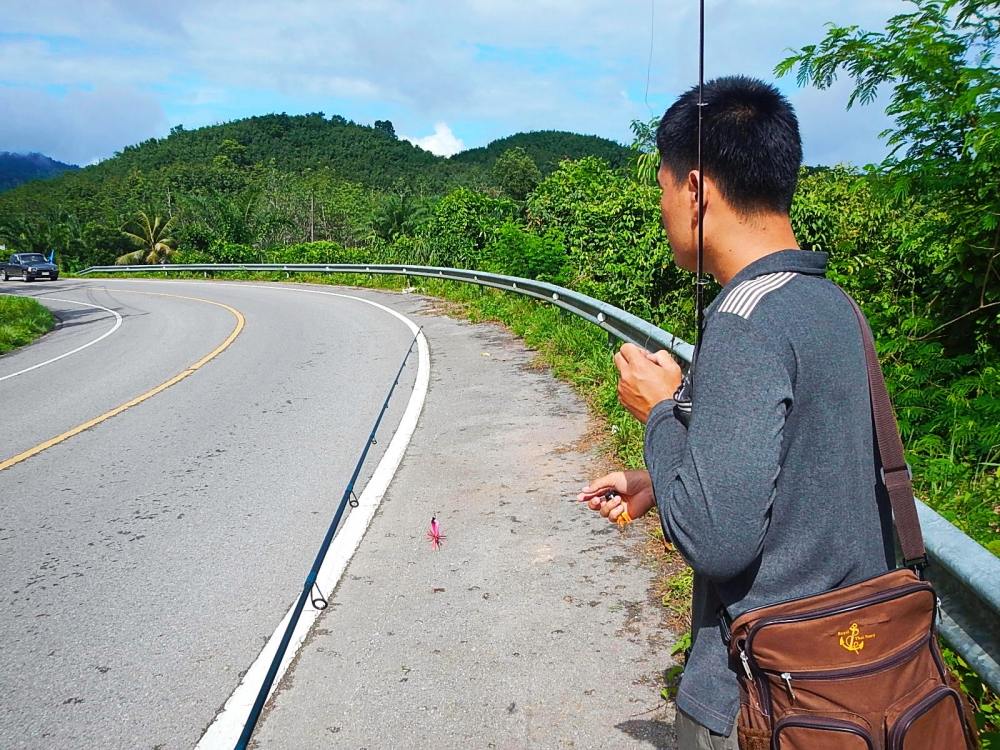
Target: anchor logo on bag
[(852, 639)]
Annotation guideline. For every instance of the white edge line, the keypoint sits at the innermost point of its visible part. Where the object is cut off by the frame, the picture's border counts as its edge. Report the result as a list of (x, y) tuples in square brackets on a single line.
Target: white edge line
[(227, 726), (117, 325)]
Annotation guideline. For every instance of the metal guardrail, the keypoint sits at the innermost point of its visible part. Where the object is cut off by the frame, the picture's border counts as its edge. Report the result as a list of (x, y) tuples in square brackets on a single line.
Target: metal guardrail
[(618, 323), (965, 575)]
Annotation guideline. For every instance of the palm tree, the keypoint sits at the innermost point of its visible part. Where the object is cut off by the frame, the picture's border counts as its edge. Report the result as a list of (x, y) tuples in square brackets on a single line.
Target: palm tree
[(155, 246)]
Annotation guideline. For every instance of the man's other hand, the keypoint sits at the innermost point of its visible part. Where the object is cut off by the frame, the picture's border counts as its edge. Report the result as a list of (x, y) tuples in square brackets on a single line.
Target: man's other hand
[(632, 490), (645, 379)]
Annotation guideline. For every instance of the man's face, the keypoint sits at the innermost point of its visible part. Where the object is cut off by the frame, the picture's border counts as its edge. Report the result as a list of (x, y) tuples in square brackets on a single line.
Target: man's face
[(676, 202)]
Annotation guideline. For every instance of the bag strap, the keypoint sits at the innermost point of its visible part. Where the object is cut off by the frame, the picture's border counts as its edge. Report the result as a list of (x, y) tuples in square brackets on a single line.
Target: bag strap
[(895, 471)]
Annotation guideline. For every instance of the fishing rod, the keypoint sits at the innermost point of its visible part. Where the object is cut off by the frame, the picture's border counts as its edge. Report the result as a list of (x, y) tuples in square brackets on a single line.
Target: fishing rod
[(700, 280), (318, 600)]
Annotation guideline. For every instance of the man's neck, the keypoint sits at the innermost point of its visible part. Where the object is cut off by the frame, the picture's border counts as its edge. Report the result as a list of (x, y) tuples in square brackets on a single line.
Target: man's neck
[(748, 240)]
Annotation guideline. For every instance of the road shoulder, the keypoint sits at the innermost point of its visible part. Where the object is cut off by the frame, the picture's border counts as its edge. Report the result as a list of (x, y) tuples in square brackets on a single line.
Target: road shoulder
[(532, 627)]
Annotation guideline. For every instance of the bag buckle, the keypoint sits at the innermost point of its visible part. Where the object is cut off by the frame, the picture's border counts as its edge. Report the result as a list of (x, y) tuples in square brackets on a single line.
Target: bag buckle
[(724, 629), (909, 471), (918, 565)]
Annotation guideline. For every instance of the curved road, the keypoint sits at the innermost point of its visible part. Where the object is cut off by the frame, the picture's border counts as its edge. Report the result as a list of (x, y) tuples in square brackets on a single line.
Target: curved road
[(147, 559)]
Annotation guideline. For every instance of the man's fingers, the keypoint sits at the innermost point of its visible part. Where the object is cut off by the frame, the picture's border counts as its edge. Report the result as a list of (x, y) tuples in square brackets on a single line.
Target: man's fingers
[(662, 358), (613, 481), (609, 505), (620, 361), (631, 352)]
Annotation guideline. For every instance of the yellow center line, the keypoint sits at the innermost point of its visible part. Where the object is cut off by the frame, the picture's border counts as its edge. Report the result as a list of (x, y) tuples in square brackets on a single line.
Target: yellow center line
[(240, 323)]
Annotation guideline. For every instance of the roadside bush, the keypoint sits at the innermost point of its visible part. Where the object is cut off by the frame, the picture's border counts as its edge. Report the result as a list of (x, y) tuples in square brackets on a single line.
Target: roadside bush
[(461, 226), (516, 252), (615, 245)]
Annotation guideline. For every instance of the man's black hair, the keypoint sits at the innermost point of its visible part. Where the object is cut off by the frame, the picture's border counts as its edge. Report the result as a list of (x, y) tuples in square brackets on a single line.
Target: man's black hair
[(750, 142)]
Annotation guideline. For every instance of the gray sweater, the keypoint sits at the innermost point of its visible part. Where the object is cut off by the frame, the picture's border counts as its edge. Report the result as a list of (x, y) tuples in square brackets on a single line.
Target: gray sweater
[(771, 492)]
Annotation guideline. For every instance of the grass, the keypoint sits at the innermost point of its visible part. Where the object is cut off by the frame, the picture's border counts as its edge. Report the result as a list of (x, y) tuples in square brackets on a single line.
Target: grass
[(22, 320)]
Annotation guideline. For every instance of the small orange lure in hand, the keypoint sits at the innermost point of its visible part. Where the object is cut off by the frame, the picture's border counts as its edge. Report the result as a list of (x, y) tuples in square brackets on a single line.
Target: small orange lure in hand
[(624, 519)]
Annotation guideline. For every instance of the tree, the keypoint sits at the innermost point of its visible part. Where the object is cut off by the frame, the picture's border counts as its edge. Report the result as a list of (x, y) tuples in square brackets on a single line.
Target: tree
[(398, 214), (516, 173), (386, 127), (643, 147), (939, 62), (154, 243)]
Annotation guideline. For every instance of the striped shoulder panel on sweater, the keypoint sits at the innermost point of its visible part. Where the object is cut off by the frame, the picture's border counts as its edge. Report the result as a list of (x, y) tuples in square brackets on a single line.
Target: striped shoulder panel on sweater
[(745, 296)]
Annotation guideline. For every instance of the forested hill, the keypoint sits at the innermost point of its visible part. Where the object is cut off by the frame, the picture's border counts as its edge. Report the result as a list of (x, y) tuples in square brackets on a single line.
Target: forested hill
[(547, 148), (16, 169), (269, 181), (372, 156)]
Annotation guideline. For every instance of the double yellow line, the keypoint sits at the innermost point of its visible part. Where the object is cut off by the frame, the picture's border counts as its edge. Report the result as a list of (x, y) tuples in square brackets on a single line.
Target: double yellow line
[(240, 323)]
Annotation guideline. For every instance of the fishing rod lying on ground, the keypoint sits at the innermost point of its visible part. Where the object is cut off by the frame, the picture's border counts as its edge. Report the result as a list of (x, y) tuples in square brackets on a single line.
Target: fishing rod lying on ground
[(318, 601)]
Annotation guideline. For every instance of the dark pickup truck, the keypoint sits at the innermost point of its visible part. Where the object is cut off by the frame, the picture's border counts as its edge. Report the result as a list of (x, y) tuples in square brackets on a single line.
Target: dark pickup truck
[(29, 266)]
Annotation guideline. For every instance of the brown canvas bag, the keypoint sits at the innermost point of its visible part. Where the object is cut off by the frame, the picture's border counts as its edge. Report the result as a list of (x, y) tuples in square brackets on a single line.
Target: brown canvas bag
[(858, 667)]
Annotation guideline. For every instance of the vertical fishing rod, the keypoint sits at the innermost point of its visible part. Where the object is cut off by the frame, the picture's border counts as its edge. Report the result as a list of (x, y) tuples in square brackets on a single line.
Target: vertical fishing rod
[(319, 602), (700, 280)]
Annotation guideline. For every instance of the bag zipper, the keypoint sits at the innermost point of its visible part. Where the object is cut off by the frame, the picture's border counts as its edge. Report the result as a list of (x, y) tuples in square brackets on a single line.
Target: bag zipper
[(835, 674), (831, 724), (810, 596), (885, 596), (906, 720)]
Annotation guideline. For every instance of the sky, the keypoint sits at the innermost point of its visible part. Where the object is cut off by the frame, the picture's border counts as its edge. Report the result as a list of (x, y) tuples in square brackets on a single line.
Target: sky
[(79, 81)]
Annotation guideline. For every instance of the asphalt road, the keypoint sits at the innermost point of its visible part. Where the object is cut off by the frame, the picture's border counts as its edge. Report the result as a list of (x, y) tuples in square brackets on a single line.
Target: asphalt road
[(145, 561)]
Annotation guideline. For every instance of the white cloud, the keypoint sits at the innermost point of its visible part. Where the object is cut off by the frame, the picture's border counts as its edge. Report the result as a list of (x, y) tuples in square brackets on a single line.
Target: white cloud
[(441, 142), (484, 63)]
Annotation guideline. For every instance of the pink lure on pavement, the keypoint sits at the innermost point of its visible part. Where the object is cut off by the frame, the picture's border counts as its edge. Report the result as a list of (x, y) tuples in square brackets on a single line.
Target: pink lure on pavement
[(435, 534)]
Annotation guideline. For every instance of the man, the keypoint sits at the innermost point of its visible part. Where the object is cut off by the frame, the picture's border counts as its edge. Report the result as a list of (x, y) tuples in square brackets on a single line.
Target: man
[(769, 492)]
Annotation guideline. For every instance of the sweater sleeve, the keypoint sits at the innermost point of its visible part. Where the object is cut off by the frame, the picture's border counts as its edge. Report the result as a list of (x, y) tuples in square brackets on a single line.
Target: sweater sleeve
[(714, 482)]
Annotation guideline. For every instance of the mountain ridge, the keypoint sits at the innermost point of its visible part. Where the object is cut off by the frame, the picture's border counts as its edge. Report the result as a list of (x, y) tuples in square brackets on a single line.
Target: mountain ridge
[(18, 168)]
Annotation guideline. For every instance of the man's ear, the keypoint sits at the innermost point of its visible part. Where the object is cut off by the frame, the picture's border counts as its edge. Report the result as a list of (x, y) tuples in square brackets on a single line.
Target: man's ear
[(692, 188)]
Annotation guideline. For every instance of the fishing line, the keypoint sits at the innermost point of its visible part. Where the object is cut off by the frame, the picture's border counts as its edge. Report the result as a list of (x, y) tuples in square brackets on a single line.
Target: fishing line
[(649, 62), (310, 586)]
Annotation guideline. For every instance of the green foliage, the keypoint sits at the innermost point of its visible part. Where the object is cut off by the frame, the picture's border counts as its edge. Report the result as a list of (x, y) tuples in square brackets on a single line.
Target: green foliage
[(645, 155), (517, 252), (614, 239), (938, 60), (385, 126), (985, 702), (399, 213), (462, 224), (152, 236), (515, 173), (22, 320), (547, 148)]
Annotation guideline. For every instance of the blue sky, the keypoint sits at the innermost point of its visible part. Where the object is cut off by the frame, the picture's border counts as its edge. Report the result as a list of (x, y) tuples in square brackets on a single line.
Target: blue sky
[(78, 81)]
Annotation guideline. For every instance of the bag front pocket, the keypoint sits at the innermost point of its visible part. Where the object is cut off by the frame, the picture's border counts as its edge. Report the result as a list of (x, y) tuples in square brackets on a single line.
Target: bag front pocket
[(934, 722), (806, 732)]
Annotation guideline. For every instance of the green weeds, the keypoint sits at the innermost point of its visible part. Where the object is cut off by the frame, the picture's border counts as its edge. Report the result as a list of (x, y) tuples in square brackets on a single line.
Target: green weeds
[(22, 320)]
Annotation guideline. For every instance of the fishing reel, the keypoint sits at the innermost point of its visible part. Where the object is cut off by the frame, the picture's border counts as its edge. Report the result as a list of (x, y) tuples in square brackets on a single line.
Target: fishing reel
[(682, 401)]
